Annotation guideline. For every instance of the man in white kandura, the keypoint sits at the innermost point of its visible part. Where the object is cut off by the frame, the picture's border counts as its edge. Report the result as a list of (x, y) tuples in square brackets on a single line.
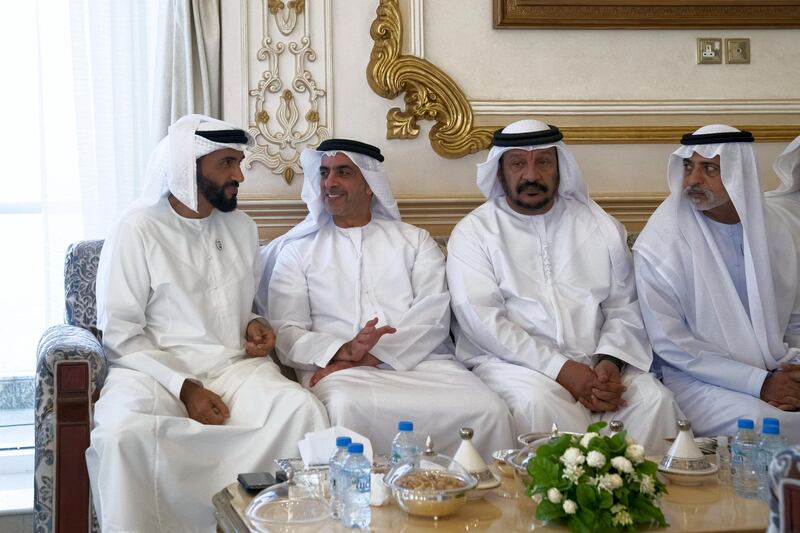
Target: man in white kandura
[(785, 200), (717, 275), (192, 398), (544, 295), (360, 305)]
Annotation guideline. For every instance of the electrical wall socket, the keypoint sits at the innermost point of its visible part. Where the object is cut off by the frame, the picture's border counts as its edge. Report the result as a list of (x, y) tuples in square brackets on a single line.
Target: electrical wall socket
[(709, 50), (737, 51)]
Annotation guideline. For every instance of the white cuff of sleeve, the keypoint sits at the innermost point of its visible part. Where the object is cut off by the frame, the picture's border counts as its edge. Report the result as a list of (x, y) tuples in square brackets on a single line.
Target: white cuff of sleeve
[(552, 368), (756, 381), (327, 354), (176, 384)]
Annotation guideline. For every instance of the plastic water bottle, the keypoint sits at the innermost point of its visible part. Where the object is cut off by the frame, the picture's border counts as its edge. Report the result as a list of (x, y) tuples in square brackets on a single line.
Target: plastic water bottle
[(335, 481), (405, 446), (356, 474), (743, 460), (771, 442), (723, 461)]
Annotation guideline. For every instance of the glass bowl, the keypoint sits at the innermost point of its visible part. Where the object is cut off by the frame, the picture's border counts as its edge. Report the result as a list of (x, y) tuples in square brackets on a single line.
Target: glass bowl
[(298, 502), (433, 487)]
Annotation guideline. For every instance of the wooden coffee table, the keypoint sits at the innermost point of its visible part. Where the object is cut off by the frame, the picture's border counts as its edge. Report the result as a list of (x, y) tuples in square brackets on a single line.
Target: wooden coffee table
[(706, 508)]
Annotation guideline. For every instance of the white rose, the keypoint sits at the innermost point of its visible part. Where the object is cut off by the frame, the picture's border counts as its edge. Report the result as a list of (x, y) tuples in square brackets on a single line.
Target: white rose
[(554, 495), (635, 452), (629, 440), (570, 506), (597, 459), (622, 464), (610, 482), (587, 438), (617, 508), (537, 498), (572, 457)]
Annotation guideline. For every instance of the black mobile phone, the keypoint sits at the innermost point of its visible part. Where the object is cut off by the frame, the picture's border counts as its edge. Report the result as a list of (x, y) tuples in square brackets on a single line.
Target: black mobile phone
[(256, 481)]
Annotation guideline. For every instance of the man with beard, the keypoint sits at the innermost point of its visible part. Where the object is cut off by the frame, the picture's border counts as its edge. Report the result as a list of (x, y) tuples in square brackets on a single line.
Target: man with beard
[(192, 398), (717, 274), (543, 291), (360, 304)]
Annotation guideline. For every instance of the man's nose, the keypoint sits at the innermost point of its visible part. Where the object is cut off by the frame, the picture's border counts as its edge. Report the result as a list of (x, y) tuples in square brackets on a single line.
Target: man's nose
[(694, 176), (238, 175)]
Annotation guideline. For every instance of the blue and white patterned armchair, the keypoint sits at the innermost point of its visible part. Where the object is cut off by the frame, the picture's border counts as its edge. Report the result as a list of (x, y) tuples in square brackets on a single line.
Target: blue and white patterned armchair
[(70, 370)]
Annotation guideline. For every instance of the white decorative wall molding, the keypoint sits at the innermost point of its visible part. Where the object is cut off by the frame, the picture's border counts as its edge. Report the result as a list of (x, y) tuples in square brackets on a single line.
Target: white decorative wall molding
[(417, 24), (635, 107), (289, 108)]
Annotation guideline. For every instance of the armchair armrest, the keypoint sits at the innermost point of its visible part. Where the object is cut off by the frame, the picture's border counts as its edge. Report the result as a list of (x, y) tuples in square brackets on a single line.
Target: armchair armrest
[(70, 370)]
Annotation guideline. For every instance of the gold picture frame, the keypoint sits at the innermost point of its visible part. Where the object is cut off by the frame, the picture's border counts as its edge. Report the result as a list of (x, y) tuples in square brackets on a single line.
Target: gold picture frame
[(643, 14), (430, 94)]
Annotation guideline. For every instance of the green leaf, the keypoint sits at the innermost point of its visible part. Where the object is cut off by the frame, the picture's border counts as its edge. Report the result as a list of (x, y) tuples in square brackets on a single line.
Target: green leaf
[(587, 497), (596, 427), (606, 500), (576, 526), (617, 443), (545, 472), (549, 511), (588, 518), (647, 467), (545, 450), (561, 444)]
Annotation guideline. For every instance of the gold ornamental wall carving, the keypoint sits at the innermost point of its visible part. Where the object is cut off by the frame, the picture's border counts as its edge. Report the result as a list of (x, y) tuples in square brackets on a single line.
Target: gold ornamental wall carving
[(430, 94)]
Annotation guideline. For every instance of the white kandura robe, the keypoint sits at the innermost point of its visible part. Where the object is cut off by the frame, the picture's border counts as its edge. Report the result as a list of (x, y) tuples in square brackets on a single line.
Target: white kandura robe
[(699, 351), (326, 285), (174, 299), (532, 292)]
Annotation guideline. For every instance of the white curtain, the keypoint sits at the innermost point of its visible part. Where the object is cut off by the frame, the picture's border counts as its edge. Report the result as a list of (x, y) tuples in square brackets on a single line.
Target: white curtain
[(187, 62), (83, 108)]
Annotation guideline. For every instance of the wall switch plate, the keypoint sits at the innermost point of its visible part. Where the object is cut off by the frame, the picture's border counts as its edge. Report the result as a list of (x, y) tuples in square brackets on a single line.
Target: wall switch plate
[(737, 51), (709, 50)]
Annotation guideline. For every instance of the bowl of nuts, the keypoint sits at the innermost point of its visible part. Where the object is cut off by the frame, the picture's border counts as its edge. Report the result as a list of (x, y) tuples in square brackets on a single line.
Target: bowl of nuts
[(433, 485)]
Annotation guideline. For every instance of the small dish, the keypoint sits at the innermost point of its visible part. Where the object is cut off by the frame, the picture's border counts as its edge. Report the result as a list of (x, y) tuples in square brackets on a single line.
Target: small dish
[(506, 470)]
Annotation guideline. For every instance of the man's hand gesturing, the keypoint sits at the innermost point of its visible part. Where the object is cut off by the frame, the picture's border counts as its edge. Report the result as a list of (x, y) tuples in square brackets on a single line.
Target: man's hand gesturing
[(362, 343)]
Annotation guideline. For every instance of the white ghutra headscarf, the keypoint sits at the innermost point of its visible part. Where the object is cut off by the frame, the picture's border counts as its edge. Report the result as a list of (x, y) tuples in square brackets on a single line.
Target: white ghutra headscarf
[(787, 167), (536, 135), (678, 243), (172, 166), (369, 160)]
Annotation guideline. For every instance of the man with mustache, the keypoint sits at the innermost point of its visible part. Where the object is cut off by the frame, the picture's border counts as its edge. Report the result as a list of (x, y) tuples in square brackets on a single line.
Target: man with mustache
[(192, 398), (360, 304), (717, 275), (543, 291)]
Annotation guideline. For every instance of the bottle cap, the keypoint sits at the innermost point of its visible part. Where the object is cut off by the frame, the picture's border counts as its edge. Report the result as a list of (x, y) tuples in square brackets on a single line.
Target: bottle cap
[(405, 425), (341, 442), (771, 422), (356, 447), (745, 423), (770, 429)]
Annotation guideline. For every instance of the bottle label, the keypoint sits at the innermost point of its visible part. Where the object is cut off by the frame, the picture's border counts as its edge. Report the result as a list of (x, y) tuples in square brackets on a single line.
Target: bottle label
[(362, 485)]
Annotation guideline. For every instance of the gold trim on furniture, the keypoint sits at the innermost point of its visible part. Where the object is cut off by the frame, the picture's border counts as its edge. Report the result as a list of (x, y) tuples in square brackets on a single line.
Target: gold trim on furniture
[(642, 14), (430, 94), (275, 216)]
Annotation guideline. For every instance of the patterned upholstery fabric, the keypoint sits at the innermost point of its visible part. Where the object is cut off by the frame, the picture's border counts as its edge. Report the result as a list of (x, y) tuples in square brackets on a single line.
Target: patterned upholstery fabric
[(80, 272), (78, 339)]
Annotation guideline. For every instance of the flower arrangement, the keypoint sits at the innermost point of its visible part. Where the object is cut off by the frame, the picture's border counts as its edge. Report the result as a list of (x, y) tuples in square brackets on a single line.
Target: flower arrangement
[(595, 482)]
